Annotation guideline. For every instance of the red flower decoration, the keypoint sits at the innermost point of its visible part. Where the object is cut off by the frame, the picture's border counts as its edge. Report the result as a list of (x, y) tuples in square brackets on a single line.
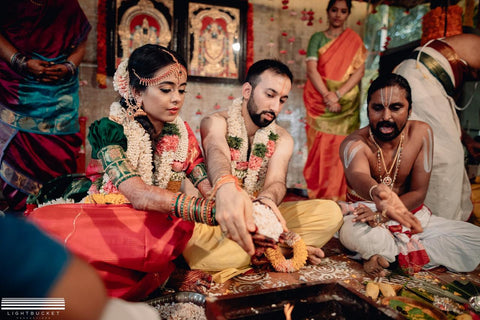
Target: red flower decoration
[(235, 154), (291, 39), (284, 7), (284, 34), (270, 148), (320, 20), (216, 106), (283, 51), (302, 52), (168, 143), (359, 22), (177, 166), (271, 18), (198, 112), (255, 162), (242, 165), (231, 97), (110, 188), (198, 96)]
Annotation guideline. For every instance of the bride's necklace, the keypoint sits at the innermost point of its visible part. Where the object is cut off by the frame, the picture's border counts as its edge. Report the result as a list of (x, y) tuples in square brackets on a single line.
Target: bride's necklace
[(387, 179), (332, 35)]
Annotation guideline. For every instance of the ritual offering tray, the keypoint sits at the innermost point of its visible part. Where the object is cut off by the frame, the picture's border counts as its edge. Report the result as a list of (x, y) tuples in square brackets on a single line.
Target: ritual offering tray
[(180, 306), (310, 301)]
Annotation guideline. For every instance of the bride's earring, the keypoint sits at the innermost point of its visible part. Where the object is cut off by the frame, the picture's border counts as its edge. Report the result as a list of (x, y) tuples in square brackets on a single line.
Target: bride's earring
[(135, 107)]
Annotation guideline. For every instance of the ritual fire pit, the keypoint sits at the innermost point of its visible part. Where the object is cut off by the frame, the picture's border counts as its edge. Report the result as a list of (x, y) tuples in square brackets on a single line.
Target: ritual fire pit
[(311, 301)]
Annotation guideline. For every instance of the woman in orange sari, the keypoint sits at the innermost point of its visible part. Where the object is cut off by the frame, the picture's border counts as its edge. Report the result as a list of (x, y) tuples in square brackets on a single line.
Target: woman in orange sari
[(335, 66)]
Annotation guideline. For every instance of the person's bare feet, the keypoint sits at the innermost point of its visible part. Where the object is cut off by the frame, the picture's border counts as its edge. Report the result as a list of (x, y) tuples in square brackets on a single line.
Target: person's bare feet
[(315, 255), (376, 265)]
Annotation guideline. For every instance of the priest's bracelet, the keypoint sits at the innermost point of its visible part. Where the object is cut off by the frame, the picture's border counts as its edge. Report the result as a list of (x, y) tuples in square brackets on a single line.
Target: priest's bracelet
[(190, 208)]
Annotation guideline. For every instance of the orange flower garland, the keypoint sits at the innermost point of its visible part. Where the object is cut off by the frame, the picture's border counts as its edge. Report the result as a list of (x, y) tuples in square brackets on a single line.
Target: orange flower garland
[(268, 225), (433, 25), (101, 44), (299, 259)]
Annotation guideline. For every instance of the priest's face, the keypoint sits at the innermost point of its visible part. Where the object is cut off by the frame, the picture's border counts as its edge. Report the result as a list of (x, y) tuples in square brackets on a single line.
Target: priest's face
[(388, 112)]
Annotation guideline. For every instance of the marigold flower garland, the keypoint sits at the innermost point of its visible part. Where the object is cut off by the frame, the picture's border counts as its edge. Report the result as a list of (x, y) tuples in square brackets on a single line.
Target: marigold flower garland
[(433, 24), (268, 225), (300, 254), (254, 170)]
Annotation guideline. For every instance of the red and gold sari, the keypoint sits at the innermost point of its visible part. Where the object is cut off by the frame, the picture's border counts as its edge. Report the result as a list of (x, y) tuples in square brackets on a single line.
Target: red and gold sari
[(337, 61)]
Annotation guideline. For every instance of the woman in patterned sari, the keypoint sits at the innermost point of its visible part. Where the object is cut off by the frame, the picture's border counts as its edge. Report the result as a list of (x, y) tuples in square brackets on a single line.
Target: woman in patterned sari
[(41, 44), (335, 66)]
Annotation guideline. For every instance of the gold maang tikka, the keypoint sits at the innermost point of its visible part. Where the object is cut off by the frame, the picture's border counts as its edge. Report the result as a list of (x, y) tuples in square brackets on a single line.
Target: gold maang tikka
[(176, 68)]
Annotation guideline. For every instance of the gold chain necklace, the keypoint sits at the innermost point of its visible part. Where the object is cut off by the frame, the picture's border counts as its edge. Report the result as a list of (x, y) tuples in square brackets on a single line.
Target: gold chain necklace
[(387, 179)]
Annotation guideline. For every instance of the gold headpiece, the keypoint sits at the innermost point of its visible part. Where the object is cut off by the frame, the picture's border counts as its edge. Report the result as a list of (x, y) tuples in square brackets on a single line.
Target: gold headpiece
[(176, 68)]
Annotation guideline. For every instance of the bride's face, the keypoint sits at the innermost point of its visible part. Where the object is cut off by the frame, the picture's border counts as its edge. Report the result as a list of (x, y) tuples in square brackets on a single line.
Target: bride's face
[(163, 102)]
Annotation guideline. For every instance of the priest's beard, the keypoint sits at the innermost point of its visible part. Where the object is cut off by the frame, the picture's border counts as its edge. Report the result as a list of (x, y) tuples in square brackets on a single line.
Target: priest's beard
[(386, 137)]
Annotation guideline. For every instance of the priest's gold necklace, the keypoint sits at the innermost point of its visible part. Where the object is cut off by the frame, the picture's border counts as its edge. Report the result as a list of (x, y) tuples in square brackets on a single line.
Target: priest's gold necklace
[(387, 179)]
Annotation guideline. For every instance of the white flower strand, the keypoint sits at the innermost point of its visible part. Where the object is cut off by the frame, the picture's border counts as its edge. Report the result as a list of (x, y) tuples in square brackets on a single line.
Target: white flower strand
[(236, 128), (254, 179), (139, 146), (139, 149)]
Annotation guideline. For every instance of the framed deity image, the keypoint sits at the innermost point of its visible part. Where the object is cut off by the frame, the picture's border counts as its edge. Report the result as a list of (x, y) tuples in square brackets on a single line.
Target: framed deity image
[(215, 41), (134, 23), (209, 34)]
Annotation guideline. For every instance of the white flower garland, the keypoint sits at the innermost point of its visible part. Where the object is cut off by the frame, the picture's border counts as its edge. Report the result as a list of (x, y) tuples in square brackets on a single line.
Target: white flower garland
[(139, 149), (254, 178), (164, 162)]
